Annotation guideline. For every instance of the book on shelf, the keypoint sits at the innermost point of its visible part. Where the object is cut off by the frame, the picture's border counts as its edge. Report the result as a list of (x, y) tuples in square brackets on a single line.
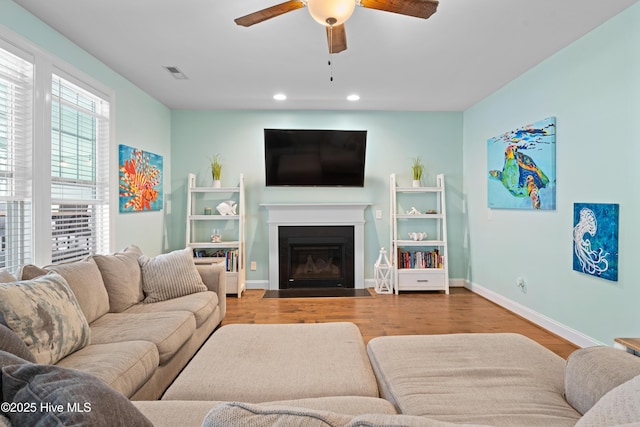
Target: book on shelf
[(420, 259), (230, 257)]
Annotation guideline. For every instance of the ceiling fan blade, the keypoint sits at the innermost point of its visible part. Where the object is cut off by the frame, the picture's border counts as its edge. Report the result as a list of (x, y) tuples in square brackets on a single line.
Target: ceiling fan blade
[(336, 38), (268, 13), (417, 8)]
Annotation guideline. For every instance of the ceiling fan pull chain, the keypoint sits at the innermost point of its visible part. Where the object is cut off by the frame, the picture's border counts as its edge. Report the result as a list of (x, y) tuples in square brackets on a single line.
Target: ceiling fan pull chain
[(331, 22)]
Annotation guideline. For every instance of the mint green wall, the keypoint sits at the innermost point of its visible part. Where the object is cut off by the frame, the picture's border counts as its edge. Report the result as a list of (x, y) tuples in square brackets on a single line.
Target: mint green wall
[(592, 87), (393, 139), (141, 121)]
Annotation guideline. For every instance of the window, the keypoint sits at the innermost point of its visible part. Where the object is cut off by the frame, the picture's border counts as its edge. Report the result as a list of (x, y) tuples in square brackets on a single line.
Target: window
[(16, 113), (79, 172), (62, 213)]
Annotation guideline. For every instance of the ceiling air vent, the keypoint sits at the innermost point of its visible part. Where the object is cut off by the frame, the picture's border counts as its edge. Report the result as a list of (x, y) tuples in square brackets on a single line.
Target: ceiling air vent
[(176, 73)]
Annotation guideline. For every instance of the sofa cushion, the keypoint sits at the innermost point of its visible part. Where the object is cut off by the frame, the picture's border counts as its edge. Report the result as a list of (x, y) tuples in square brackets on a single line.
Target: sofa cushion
[(12, 343), (44, 313), (170, 275), (168, 331), (620, 406), (122, 278), (201, 305), (589, 374), (72, 398), (495, 379), (85, 281), (233, 414), (125, 366), (171, 413)]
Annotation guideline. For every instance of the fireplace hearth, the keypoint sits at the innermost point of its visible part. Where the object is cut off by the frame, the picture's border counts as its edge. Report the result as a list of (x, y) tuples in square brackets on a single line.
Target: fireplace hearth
[(316, 257)]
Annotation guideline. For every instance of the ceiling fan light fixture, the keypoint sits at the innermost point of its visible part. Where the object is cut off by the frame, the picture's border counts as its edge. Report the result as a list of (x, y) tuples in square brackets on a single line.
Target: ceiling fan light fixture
[(331, 12), (280, 97)]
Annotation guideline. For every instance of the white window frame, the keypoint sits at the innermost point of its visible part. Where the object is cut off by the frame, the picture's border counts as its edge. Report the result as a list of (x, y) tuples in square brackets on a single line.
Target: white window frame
[(45, 66)]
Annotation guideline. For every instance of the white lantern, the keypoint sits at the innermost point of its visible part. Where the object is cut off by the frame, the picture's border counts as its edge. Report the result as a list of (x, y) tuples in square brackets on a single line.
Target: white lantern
[(382, 273)]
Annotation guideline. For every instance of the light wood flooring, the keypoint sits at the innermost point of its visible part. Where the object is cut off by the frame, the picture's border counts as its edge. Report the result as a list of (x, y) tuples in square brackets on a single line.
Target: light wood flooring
[(461, 311)]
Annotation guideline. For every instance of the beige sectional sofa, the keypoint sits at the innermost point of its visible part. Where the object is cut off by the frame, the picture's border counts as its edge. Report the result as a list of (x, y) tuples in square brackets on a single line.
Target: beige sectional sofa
[(144, 320), (263, 375)]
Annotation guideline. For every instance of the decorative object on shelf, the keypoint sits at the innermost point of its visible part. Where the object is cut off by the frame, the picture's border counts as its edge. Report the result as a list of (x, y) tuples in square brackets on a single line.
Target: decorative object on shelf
[(207, 211), (417, 167), (413, 211), (417, 236), (216, 237), (227, 208), (597, 253), (518, 180), (382, 274), (140, 180), (216, 170)]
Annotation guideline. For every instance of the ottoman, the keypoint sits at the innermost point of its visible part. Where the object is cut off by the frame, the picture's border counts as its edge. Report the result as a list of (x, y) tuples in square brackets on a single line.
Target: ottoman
[(263, 363), (499, 379)]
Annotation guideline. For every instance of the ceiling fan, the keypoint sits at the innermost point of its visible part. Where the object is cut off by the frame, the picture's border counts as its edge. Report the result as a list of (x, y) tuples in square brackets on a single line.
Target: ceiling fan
[(333, 13)]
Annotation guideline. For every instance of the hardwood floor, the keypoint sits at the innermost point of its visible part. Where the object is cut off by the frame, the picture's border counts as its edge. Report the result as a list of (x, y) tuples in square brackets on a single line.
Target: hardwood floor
[(461, 311)]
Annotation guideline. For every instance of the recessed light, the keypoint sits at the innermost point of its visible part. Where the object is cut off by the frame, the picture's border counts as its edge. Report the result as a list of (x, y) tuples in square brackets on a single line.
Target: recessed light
[(279, 96), (353, 97)]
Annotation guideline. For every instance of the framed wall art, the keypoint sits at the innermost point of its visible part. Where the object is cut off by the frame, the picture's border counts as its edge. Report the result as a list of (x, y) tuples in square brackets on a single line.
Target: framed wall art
[(140, 182), (521, 167), (595, 239)]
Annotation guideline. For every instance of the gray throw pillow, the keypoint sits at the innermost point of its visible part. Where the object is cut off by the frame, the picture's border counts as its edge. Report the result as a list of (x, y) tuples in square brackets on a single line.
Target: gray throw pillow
[(45, 314), (66, 397), (12, 343), (170, 276)]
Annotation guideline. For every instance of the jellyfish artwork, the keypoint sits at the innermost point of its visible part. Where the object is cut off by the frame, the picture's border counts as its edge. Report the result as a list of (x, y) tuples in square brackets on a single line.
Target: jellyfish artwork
[(592, 261)]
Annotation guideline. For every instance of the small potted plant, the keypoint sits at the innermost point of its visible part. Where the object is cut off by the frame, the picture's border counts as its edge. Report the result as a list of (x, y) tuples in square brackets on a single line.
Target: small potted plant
[(417, 167), (216, 170)]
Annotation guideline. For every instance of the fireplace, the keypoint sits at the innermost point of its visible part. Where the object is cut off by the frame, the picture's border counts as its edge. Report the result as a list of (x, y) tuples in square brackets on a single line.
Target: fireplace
[(283, 215), (316, 257)]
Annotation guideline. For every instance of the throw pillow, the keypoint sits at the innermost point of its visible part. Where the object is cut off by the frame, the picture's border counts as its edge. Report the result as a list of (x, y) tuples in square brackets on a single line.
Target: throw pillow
[(85, 281), (68, 397), (6, 277), (122, 278), (621, 406), (45, 314), (170, 275), (12, 343)]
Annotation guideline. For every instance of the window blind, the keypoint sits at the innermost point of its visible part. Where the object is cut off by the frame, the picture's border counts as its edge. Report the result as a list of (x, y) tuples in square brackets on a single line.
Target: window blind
[(16, 139), (79, 172)]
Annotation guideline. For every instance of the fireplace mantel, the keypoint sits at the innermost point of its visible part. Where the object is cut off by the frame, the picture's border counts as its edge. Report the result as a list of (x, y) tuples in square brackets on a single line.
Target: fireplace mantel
[(310, 214)]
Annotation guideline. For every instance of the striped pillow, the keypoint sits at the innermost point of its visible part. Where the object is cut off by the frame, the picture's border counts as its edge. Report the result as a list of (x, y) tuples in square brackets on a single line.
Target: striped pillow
[(169, 276)]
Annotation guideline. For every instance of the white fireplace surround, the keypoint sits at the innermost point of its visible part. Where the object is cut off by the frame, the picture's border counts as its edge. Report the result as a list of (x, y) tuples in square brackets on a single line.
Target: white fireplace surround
[(317, 214)]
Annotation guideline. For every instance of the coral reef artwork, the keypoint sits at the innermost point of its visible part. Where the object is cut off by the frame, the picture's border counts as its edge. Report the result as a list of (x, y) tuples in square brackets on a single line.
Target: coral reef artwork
[(140, 180), (595, 239), (521, 165)]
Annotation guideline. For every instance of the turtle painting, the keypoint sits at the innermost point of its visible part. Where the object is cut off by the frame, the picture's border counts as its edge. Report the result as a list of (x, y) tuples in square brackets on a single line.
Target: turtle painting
[(524, 183)]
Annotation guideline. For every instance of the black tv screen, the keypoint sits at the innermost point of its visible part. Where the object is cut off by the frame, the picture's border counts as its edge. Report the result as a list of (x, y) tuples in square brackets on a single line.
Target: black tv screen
[(322, 158)]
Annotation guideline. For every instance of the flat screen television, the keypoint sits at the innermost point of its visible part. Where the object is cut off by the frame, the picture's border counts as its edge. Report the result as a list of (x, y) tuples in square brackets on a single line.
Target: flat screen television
[(314, 158)]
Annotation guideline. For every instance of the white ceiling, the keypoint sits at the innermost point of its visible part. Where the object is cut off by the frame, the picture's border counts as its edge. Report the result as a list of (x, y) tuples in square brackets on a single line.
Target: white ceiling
[(465, 51)]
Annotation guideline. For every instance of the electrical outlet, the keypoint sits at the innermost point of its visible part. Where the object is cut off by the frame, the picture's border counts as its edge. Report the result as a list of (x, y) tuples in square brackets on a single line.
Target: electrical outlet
[(254, 266), (378, 214), (521, 283)]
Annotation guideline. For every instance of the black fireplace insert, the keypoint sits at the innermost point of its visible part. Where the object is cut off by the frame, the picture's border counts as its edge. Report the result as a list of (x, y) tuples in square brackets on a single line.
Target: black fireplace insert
[(316, 257)]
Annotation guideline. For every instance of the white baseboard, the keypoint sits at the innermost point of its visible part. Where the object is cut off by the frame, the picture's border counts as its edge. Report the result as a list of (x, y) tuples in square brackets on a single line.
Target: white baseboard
[(569, 334), (257, 284)]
